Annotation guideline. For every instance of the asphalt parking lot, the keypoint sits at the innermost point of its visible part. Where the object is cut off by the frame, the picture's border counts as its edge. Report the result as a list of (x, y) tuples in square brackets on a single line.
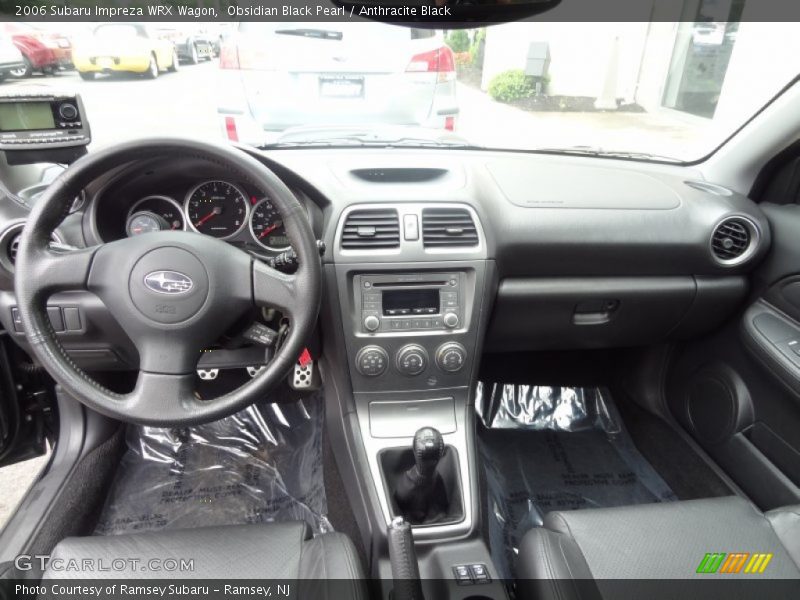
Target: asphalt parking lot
[(128, 106), (184, 104)]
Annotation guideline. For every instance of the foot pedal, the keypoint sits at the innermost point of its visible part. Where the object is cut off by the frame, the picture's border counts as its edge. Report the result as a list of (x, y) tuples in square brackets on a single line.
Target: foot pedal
[(207, 374), (253, 371), (303, 376)]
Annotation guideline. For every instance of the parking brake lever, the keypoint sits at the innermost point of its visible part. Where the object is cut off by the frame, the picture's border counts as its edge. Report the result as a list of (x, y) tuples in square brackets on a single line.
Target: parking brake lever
[(403, 558)]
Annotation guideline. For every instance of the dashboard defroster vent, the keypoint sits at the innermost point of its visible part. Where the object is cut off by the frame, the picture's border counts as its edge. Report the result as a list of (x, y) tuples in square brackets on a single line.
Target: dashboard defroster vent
[(733, 240), (369, 229), (448, 228)]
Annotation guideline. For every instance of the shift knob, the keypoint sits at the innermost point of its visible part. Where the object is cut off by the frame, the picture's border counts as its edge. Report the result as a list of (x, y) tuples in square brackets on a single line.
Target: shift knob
[(428, 449)]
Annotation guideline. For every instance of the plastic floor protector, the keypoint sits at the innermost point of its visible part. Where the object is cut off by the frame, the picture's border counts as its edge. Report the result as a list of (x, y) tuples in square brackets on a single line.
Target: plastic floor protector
[(550, 448), (262, 464)]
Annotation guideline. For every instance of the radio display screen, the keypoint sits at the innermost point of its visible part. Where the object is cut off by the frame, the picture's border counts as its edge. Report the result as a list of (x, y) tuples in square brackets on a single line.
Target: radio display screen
[(407, 302), (23, 116)]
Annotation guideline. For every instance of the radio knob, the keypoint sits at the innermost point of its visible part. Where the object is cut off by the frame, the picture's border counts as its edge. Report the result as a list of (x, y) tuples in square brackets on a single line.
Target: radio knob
[(451, 357), (450, 320), (372, 361), (411, 359), (68, 111), (371, 323)]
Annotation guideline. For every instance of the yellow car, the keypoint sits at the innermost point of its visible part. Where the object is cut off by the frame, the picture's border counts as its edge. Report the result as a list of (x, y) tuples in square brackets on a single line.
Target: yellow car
[(124, 47)]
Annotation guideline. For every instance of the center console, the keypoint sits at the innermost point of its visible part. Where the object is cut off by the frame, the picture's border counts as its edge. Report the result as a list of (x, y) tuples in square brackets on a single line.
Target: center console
[(411, 309), (411, 282)]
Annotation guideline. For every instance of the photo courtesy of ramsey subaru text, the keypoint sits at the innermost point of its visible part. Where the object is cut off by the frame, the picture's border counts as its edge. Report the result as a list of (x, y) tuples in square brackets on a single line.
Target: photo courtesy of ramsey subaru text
[(503, 305)]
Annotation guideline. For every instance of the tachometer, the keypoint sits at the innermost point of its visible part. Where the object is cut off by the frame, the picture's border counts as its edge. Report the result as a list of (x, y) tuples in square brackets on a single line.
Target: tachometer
[(163, 206), (266, 225), (217, 208)]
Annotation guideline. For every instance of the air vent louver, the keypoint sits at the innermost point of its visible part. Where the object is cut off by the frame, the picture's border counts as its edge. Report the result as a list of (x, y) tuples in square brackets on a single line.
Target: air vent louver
[(448, 228), (371, 229), (13, 248), (731, 239)]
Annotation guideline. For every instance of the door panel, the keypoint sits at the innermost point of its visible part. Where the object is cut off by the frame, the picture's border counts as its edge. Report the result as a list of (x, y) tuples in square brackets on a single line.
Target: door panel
[(738, 391)]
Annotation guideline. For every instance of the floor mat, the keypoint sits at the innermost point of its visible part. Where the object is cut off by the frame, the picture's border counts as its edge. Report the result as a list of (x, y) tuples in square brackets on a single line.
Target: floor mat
[(261, 465), (548, 448)]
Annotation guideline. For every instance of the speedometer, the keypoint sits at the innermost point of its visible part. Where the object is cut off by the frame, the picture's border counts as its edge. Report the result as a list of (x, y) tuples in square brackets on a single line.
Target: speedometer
[(266, 225), (217, 208)]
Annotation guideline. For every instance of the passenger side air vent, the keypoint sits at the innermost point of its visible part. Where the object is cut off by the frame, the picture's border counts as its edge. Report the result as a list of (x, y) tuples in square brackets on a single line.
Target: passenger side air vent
[(448, 228), (734, 240), (371, 229)]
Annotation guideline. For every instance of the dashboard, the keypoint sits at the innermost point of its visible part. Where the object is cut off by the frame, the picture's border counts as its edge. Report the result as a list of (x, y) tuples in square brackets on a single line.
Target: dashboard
[(492, 251)]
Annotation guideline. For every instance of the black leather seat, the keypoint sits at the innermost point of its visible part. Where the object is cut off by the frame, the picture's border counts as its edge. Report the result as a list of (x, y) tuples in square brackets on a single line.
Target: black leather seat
[(652, 541), (259, 551)]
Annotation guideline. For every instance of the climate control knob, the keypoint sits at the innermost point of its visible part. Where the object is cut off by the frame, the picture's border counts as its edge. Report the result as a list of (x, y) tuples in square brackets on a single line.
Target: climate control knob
[(371, 323), (372, 361), (450, 320), (411, 359), (451, 357)]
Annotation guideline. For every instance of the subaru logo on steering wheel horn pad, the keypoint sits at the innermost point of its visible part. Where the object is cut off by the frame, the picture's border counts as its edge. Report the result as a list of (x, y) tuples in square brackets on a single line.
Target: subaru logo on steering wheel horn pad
[(168, 282)]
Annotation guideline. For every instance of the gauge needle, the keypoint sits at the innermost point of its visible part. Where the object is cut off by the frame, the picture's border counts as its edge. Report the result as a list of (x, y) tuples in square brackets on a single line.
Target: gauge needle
[(269, 230), (210, 215)]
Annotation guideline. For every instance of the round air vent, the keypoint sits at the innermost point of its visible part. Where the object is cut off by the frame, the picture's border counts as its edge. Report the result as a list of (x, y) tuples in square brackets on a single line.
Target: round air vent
[(9, 245), (734, 240)]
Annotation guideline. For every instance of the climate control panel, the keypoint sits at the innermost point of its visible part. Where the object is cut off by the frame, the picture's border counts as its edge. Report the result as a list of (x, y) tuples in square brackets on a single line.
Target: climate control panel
[(411, 360)]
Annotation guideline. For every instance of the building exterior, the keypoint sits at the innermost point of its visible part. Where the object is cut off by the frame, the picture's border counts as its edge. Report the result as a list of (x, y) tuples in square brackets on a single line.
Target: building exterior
[(708, 63)]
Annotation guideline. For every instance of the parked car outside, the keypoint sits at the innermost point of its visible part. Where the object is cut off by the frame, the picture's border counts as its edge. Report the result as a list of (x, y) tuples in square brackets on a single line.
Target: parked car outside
[(11, 58), (275, 76), (193, 45), (42, 51), (124, 47)]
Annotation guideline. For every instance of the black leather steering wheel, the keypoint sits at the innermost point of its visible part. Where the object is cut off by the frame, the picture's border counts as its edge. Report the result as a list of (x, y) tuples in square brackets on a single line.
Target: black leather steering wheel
[(172, 292)]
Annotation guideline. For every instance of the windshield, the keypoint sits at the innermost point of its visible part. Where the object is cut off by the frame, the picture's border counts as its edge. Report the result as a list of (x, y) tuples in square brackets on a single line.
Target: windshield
[(660, 91)]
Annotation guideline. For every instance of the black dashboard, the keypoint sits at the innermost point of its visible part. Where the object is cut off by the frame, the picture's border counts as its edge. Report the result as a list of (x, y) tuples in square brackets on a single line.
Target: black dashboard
[(574, 252)]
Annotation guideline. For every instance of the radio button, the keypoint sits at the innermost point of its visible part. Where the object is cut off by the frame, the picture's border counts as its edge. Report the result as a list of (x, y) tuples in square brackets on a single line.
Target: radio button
[(371, 323), (372, 361), (450, 320)]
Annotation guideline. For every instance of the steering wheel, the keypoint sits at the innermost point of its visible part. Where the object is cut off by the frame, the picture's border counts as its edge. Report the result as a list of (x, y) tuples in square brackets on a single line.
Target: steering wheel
[(172, 292)]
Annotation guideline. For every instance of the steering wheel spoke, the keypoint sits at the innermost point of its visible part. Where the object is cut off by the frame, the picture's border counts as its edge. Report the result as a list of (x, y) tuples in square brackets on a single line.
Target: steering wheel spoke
[(165, 397), (275, 289), (61, 271)]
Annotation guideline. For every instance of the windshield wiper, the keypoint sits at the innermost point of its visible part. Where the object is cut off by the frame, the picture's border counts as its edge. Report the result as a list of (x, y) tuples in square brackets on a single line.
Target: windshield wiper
[(592, 151), (320, 34)]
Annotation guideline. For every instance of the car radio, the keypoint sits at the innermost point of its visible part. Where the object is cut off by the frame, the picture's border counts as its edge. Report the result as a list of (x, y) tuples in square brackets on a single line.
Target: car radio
[(42, 121), (410, 301)]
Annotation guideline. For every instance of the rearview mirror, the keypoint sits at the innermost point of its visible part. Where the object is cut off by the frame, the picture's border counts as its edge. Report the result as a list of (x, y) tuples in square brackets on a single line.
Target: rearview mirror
[(445, 14)]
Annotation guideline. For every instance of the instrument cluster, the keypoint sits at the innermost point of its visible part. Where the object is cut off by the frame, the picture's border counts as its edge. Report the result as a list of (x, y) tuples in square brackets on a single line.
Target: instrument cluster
[(214, 207)]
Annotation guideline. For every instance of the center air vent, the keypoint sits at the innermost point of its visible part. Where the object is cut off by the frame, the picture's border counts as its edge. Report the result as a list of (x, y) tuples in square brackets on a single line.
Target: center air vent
[(371, 229), (448, 228), (733, 240)]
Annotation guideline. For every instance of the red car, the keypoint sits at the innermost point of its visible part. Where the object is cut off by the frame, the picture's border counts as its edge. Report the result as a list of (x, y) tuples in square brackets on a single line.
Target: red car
[(42, 50)]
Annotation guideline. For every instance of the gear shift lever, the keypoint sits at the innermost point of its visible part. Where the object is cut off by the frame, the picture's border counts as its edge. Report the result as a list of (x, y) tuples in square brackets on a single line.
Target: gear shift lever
[(416, 486), (428, 451)]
